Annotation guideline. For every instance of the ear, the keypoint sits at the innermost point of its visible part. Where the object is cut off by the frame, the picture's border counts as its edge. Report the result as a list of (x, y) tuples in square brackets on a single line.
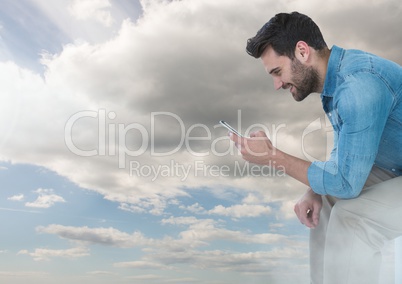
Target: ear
[(302, 51)]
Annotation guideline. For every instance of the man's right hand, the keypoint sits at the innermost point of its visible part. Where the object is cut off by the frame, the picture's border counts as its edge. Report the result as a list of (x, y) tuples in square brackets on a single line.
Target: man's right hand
[(308, 209)]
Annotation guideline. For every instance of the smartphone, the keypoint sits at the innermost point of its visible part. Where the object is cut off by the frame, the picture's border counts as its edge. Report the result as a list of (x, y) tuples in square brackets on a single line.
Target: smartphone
[(230, 128)]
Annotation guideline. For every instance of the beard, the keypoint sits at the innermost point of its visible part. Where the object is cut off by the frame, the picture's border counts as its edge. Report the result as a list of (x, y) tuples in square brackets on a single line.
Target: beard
[(305, 80)]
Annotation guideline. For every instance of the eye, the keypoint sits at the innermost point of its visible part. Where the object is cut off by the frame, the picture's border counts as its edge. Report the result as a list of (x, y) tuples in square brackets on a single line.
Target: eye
[(277, 72)]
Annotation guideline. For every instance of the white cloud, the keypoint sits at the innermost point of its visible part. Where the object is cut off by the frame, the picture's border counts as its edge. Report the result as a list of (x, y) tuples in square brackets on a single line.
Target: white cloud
[(234, 211), (142, 265), (47, 254), (252, 198), (46, 199), (203, 231), (200, 232), (102, 273), (274, 227), (131, 208), (241, 210), (19, 210), (102, 236), (195, 208), (287, 210), (185, 220), (262, 262), (18, 197), (27, 274), (93, 10), (189, 247), (145, 277)]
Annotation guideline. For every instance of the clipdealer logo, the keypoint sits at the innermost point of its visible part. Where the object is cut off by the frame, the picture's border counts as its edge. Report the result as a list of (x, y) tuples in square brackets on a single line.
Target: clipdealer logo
[(201, 169), (111, 140)]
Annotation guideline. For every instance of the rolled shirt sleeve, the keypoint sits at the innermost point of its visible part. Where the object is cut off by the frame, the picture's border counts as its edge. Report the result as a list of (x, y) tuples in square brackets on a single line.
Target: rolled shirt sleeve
[(359, 111)]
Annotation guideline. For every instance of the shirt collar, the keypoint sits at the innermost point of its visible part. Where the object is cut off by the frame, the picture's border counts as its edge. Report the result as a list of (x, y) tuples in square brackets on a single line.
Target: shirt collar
[(333, 67)]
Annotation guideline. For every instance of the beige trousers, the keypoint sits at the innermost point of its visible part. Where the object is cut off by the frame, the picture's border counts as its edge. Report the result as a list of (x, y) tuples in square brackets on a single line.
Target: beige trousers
[(345, 248)]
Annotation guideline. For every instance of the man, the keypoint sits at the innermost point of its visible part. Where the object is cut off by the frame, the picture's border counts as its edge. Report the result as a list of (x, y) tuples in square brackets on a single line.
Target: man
[(354, 200)]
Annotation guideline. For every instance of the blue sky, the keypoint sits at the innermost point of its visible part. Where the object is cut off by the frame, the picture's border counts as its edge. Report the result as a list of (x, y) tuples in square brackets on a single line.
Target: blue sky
[(113, 166)]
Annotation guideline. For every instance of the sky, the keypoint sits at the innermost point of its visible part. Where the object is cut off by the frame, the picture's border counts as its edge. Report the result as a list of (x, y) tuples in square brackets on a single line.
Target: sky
[(113, 166)]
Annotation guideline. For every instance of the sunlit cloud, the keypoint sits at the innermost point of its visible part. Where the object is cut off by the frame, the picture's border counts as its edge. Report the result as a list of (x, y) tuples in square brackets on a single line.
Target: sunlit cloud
[(90, 9), (47, 254), (46, 199), (19, 197)]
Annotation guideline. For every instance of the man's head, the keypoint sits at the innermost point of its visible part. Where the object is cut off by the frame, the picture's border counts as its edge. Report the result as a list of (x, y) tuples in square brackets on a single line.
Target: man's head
[(292, 49), (283, 32)]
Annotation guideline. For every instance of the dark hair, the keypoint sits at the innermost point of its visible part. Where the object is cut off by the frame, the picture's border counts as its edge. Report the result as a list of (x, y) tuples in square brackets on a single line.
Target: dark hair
[(283, 32)]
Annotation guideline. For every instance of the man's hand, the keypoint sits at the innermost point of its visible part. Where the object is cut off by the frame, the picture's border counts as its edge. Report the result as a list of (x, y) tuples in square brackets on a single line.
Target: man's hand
[(257, 149), (308, 209)]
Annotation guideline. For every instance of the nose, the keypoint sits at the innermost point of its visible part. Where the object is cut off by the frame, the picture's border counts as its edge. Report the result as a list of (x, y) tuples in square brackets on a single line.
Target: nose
[(277, 83)]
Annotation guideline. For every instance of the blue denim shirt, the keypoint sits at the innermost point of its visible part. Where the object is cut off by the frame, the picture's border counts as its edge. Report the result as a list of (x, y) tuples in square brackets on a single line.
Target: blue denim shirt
[(362, 97)]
